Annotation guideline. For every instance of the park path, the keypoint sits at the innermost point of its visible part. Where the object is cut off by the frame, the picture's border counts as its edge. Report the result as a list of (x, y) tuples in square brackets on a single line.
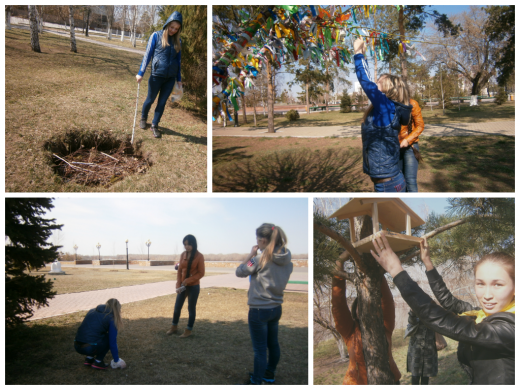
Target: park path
[(70, 303), (444, 130)]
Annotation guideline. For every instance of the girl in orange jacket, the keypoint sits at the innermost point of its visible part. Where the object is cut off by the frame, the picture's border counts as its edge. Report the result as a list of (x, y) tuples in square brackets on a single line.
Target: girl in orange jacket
[(409, 140), (191, 270)]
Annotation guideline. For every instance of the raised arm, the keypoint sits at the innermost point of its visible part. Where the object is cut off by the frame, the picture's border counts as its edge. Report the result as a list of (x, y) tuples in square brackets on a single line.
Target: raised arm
[(498, 333), (441, 292), (342, 317)]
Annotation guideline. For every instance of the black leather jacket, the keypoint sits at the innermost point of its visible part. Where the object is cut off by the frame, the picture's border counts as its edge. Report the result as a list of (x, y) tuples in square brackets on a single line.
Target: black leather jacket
[(486, 350)]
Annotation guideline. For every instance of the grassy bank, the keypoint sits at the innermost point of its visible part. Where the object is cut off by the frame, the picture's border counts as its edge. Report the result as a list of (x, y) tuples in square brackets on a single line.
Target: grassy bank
[(486, 112), (58, 94), (451, 164), (219, 351), (89, 279), (329, 369)]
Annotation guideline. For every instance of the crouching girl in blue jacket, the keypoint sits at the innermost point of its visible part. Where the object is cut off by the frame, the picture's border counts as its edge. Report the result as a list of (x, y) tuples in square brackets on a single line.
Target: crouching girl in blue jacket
[(390, 109), (164, 50), (98, 333)]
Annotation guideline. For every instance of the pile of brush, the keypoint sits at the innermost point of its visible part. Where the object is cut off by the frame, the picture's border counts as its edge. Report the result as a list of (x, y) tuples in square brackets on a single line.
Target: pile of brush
[(89, 166)]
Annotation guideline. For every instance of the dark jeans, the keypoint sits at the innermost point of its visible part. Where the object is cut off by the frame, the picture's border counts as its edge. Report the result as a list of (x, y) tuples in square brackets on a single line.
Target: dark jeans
[(98, 351), (263, 327), (193, 294), (397, 184), (156, 85), (409, 165), (424, 380)]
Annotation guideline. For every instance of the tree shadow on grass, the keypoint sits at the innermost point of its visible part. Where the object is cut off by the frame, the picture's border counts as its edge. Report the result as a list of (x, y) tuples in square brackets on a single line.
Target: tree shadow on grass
[(330, 170), (229, 154), (218, 352), (487, 162), (187, 138)]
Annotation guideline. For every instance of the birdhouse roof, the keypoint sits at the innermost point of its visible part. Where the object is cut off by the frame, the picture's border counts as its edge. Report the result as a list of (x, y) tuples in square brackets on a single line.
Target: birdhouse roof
[(391, 212)]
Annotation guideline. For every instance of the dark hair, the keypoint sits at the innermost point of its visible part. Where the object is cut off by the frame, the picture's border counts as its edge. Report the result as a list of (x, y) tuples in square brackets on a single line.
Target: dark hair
[(503, 259), (276, 238), (192, 241)]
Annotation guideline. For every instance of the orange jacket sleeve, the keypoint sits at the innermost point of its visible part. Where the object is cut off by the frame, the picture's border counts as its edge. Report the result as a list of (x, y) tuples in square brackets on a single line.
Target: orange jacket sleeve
[(418, 123), (340, 311), (179, 271), (197, 273)]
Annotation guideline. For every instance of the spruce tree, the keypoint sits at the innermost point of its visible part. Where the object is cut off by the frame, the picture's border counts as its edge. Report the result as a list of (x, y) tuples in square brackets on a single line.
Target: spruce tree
[(501, 97), (26, 249)]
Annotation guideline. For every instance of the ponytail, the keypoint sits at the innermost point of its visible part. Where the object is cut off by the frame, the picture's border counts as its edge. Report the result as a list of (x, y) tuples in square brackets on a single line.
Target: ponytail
[(114, 307), (276, 238)]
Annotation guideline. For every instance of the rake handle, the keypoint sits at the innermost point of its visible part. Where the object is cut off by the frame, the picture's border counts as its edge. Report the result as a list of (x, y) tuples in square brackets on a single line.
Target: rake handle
[(135, 115)]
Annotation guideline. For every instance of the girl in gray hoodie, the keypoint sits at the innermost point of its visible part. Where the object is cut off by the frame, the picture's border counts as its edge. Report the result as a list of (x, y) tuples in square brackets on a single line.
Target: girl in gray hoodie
[(270, 272)]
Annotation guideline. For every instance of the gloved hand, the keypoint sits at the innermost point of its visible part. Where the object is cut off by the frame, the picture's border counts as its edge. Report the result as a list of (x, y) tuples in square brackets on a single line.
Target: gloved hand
[(120, 364)]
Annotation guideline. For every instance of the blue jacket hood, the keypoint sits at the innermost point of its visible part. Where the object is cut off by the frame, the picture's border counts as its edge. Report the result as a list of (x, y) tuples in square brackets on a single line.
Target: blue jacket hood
[(176, 16)]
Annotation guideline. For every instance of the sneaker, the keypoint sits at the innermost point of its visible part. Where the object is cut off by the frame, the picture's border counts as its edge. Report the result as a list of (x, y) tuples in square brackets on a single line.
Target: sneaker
[(89, 361), (99, 365), (268, 377), (142, 123), (155, 131)]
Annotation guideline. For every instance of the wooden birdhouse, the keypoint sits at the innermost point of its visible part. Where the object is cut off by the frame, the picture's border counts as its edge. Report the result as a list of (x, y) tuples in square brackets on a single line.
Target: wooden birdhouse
[(393, 215)]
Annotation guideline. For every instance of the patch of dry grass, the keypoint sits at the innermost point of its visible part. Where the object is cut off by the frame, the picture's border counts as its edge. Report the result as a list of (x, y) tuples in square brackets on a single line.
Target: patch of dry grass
[(94, 90), (219, 351), (90, 279), (330, 370)]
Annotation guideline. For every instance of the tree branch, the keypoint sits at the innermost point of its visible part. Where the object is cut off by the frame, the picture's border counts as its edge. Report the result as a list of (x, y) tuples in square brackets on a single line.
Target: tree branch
[(434, 233), (343, 242)]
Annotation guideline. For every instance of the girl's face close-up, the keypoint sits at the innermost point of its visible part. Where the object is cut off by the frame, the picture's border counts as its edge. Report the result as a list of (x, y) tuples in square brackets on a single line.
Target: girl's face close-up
[(187, 246), (494, 287), (262, 242), (173, 27)]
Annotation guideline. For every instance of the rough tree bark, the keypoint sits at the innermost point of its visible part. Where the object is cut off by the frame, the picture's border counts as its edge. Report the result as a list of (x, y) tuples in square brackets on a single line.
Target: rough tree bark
[(72, 32), (270, 101), (35, 42), (8, 17)]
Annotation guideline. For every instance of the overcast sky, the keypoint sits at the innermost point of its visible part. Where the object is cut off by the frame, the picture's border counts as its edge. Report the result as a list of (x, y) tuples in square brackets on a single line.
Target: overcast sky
[(221, 225)]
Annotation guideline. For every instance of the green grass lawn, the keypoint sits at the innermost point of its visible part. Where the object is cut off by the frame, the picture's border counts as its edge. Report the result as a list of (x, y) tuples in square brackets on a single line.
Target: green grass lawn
[(451, 164), (59, 95), (218, 352), (486, 112), (330, 370)]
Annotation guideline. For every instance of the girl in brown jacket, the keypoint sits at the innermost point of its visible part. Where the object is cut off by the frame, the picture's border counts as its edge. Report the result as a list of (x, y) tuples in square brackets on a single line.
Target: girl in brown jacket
[(409, 140), (191, 270)]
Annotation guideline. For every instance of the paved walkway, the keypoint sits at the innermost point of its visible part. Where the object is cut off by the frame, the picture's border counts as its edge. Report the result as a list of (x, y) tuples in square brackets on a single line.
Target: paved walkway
[(454, 129), (70, 303)]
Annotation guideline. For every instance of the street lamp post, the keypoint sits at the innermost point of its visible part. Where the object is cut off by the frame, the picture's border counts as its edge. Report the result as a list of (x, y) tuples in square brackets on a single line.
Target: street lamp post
[(98, 246), (127, 254), (76, 251), (148, 243)]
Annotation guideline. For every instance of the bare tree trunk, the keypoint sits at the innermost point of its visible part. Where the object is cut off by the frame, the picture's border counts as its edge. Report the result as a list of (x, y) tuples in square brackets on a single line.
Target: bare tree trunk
[(270, 101), (110, 20), (371, 324), (254, 106), (40, 18), (244, 115), (8, 17), (123, 24), (88, 21), (72, 32), (402, 57), (442, 90), (328, 91), (35, 42)]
